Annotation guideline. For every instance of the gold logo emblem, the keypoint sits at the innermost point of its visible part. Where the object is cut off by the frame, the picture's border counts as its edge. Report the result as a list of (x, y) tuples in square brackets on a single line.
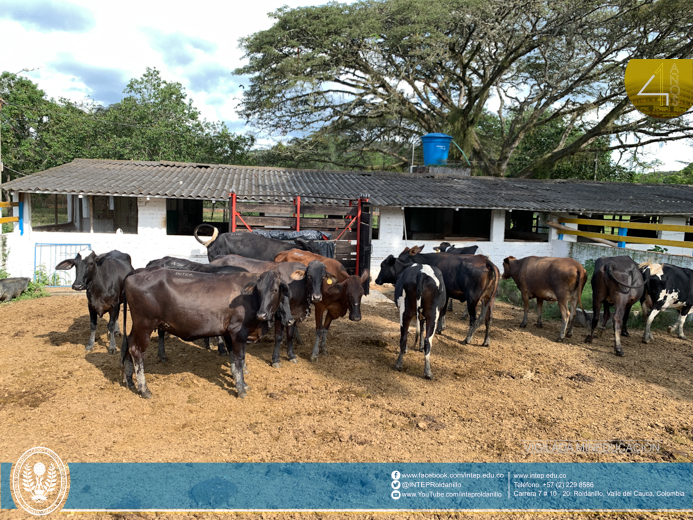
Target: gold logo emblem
[(40, 481), (660, 88)]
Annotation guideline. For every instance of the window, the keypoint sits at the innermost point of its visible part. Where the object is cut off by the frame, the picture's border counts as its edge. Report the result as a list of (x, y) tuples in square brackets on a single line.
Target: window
[(184, 215), (70, 213), (447, 223), (526, 226)]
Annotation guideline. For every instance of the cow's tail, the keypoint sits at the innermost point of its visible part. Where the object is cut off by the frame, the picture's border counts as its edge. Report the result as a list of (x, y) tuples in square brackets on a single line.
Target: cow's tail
[(420, 279), (215, 234), (124, 347), (580, 286), (489, 294), (611, 275)]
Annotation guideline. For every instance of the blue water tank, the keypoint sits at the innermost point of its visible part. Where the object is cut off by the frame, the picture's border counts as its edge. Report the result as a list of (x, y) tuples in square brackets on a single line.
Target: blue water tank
[(436, 148)]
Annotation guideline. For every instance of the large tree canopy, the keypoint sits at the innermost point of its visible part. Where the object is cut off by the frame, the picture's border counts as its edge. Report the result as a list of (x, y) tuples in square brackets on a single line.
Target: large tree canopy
[(368, 77), (154, 121)]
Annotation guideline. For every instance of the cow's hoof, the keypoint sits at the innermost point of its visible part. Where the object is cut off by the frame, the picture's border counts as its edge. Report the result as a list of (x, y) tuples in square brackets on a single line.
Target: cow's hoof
[(486, 344), (523, 325), (540, 325), (620, 353), (294, 360), (112, 351), (464, 341), (429, 377), (559, 340), (163, 359), (313, 359), (241, 394), (398, 368), (681, 336), (588, 339), (569, 334), (146, 394), (89, 348), (625, 333), (645, 340), (276, 365)]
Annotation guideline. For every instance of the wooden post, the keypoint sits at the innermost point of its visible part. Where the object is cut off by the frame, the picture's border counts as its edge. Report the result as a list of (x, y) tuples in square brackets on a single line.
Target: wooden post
[(232, 214), (91, 213), (363, 238), (297, 201)]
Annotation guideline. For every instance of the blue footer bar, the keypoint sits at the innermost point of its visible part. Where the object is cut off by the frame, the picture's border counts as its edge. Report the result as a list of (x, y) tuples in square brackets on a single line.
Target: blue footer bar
[(373, 486)]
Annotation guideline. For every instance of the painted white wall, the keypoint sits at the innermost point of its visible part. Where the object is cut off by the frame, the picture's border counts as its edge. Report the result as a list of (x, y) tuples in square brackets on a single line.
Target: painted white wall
[(149, 243)]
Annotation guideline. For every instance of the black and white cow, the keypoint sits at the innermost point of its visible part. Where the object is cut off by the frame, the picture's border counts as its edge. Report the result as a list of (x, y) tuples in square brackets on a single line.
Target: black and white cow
[(102, 276), (667, 286), (419, 294), (447, 247)]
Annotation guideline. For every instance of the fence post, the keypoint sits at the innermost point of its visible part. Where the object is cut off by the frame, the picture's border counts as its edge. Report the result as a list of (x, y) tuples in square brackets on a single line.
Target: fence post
[(232, 220), (21, 218), (363, 238), (622, 232), (297, 202)]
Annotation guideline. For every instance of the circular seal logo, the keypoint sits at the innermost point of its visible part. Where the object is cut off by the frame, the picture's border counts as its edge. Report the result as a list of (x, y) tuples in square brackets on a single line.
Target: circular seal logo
[(660, 88), (40, 481)]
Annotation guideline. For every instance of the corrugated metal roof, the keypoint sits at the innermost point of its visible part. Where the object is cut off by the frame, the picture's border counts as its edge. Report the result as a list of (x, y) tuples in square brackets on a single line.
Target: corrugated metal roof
[(263, 184)]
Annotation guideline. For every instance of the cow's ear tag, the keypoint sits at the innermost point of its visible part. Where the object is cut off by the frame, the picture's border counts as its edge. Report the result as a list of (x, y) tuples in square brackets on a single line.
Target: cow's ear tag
[(329, 281)]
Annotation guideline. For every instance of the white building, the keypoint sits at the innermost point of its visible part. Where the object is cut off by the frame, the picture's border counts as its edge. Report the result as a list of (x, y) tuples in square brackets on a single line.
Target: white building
[(149, 209)]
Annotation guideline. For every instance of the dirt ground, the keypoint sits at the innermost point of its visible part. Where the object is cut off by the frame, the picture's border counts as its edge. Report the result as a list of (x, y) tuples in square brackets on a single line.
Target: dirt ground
[(351, 406)]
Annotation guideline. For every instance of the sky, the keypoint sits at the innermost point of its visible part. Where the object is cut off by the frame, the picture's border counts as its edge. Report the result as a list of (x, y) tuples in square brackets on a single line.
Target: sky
[(80, 48)]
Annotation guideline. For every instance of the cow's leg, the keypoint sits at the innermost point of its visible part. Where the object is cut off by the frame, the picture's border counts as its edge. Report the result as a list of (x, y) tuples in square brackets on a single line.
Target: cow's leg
[(238, 363), (318, 334), (474, 320), (682, 319), (296, 337), (540, 311), (626, 317), (162, 348), (117, 325), (406, 316), (291, 333), (126, 361), (488, 319), (565, 316), (450, 306), (422, 332), (137, 348), (573, 312), (207, 346), (92, 325), (619, 311), (465, 311), (431, 317), (278, 333), (525, 302), (323, 343), (656, 309), (112, 323), (441, 322)]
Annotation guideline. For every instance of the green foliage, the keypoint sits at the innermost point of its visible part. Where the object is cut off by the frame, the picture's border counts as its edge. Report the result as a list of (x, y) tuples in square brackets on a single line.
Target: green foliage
[(4, 255), (658, 249), (155, 121), (36, 287), (685, 176)]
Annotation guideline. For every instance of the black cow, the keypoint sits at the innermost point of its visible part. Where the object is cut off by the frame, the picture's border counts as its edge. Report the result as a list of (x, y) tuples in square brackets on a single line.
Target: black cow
[(667, 286), (468, 278), (170, 262), (419, 294), (102, 276), (304, 291), (616, 281), (236, 306), (12, 287), (447, 247), (249, 245)]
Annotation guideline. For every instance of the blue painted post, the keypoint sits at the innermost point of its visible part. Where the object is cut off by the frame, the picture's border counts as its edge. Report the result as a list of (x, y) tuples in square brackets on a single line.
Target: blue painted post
[(622, 232), (21, 219)]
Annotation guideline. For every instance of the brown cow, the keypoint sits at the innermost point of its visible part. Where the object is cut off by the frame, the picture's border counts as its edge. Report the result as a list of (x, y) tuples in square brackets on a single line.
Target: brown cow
[(548, 279), (334, 267)]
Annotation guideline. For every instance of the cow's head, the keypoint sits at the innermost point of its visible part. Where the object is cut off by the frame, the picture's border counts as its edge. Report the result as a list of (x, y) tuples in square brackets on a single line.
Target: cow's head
[(274, 296), (387, 272), (85, 267), (353, 292), (316, 272), (506, 267), (442, 247), (307, 245)]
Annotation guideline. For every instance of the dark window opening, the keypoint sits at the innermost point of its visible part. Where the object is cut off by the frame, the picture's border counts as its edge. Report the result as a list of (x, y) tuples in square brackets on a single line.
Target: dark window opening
[(102, 214), (526, 226), (447, 223), (688, 237), (184, 215)]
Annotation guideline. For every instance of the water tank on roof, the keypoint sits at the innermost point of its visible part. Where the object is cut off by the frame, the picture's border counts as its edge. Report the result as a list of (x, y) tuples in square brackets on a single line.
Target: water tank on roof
[(436, 148)]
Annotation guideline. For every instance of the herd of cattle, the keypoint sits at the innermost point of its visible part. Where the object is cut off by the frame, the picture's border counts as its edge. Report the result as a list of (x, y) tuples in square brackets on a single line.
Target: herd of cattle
[(253, 282)]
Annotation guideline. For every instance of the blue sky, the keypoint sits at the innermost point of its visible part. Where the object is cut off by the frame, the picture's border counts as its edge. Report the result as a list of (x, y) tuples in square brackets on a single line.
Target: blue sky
[(80, 48)]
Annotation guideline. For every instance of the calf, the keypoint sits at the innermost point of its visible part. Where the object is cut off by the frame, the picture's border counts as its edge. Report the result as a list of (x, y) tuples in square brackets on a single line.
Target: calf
[(549, 279), (236, 306), (102, 276), (667, 286), (337, 298), (334, 267), (248, 244), (468, 278), (616, 281), (304, 291), (420, 293), (12, 287)]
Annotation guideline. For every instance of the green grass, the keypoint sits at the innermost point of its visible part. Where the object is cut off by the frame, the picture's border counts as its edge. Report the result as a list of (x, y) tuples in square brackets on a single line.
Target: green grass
[(46, 216)]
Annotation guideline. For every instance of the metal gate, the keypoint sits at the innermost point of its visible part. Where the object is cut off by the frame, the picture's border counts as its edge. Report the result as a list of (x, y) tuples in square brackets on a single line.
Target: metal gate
[(47, 256)]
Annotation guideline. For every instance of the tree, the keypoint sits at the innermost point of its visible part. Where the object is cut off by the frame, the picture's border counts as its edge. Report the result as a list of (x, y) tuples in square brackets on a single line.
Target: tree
[(385, 71), (154, 121)]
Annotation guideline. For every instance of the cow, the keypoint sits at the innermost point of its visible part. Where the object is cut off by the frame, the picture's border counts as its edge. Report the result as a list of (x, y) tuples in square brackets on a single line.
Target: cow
[(616, 281), (667, 286), (304, 291), (468, 278), (447, 247), (334, 267), (12, 287), (249, 245), (549, 279), (419, 294), (235, 306), (102, 276), (180, 264)]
